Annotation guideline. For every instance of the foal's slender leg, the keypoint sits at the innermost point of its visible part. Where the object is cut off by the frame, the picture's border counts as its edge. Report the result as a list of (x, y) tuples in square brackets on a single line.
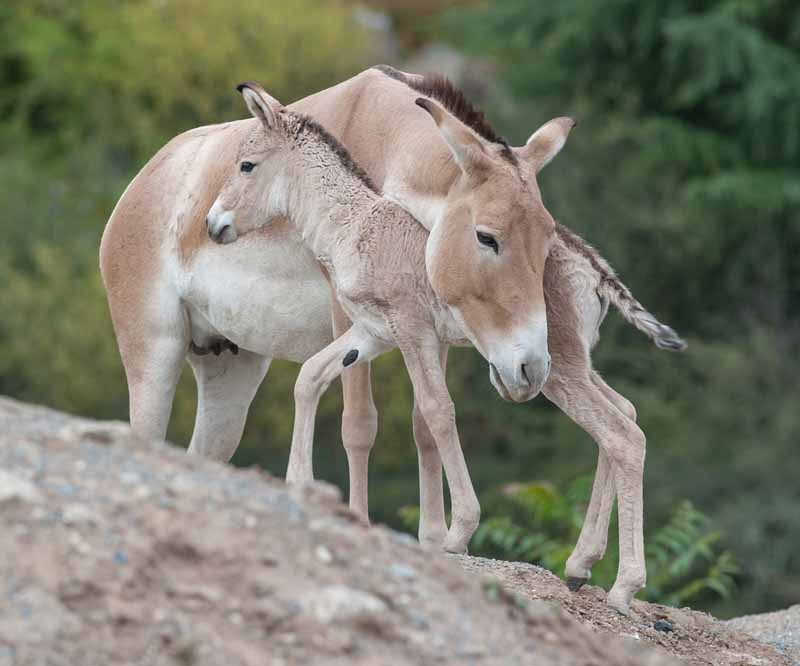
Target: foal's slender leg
[(432, 524), (226, 385), (623, 444), (436, 406), (355, 346), (359, 422), (593, 538)]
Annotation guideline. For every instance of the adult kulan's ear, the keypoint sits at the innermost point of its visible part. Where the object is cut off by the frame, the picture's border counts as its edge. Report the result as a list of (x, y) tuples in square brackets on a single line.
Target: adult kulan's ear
[(546, 142), (262, 105), (465, 146)]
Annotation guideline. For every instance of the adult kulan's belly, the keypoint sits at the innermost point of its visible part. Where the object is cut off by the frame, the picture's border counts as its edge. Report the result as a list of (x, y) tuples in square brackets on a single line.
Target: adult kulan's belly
[(265, 293)]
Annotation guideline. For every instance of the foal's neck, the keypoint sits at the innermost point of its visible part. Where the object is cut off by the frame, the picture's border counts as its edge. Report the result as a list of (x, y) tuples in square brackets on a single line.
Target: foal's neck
[(328, 194)]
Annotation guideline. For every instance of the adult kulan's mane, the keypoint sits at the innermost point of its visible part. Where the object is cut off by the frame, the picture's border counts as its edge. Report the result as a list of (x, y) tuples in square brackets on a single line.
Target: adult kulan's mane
[(444, 91), (304, 123)]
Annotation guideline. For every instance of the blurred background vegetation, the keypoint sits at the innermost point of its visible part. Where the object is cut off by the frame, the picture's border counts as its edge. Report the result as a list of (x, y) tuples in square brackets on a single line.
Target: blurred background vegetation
[(684, 172)]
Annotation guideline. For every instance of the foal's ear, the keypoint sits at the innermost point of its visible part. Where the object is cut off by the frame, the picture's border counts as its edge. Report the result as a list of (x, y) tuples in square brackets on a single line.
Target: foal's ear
[(262, 105), (465, 146), (546, 142)]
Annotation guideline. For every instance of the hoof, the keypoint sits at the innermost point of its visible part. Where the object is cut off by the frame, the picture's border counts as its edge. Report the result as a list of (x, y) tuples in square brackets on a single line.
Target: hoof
[(619, 603), (455, 545), (433, 543), (574, 583)]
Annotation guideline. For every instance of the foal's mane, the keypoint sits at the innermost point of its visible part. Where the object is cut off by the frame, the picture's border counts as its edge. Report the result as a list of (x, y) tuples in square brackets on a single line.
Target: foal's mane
[(445, 92), (303, 123)]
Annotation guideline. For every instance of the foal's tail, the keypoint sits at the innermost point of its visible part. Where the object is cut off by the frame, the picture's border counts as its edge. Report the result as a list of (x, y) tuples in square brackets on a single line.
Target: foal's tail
[(663, 336), (613, 289)]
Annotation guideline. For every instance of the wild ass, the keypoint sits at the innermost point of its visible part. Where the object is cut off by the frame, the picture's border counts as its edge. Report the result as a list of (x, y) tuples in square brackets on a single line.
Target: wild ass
[(174, 295), (400, 286)]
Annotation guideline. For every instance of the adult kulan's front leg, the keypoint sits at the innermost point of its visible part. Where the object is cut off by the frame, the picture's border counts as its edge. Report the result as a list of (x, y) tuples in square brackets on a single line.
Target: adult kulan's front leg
[(434, 403), (359, 422), (355, 346)]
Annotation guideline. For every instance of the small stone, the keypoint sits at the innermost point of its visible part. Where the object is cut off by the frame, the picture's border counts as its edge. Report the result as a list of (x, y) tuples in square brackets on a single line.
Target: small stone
[(402, 571), (662, 625), (337, 604), (323, 554), (16, 490), (78, 514), (129, 478)]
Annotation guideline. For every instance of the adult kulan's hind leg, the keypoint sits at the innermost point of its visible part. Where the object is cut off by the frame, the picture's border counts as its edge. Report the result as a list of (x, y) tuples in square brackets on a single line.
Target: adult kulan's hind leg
[(226, 385), (620, 469), (359, 422), (432, 523), (152, 353)]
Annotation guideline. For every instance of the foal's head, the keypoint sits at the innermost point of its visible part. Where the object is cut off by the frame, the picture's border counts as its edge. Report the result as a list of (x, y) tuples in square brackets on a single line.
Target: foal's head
[(258, 187)]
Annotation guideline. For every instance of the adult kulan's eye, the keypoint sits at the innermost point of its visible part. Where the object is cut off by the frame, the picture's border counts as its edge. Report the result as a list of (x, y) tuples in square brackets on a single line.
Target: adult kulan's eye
[(247, 167), (488, 240)]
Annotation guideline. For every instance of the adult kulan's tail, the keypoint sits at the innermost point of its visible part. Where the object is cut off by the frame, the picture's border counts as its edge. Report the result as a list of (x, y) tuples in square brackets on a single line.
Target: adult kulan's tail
[(613, 289)]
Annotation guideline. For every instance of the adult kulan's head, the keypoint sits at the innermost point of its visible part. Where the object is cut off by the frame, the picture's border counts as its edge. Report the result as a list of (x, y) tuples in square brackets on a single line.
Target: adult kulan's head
[(487, 249)]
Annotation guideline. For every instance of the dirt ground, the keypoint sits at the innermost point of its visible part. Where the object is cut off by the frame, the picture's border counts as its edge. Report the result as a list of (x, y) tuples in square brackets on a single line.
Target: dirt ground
[(118, 552), (694, 637), (780, 629)]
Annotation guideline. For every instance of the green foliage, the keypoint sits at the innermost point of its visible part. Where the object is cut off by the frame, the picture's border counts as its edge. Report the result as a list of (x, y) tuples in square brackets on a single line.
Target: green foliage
[(537, 523)]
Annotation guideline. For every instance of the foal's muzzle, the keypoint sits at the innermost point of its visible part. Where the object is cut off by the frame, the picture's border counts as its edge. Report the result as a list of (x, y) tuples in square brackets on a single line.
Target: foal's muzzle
[(220, 230)]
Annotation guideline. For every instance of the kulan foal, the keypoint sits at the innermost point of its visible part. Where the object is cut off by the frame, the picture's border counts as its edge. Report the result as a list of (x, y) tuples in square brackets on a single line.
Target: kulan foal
[(399, 286)]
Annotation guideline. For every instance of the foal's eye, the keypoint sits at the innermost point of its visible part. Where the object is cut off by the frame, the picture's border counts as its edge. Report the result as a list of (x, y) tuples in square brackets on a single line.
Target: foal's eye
[(488, 240), (247, 167)]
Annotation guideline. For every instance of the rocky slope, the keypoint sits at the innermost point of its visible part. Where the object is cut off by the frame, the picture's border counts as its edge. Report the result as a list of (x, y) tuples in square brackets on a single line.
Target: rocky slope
[(115, 551)]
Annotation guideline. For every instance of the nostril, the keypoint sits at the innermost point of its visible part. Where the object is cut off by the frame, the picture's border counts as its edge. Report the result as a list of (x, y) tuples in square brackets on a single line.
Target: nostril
[(206, 222), (525, 374)]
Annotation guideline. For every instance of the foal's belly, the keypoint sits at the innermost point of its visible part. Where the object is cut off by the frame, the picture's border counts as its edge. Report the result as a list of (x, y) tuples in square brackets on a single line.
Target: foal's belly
[(265, 293)]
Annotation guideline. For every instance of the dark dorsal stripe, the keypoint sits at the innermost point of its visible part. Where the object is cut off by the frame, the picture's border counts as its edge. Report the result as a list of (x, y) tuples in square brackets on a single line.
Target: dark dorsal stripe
[(445, 92), (304, 123)]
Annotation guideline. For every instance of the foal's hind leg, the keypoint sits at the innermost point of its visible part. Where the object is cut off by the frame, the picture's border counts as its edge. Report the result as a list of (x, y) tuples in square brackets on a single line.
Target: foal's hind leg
[(226, 385), (432, 523), (593, 538), (620, 466)]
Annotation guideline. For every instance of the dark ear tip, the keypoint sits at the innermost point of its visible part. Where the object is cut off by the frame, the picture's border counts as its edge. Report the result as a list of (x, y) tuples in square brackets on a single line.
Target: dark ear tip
[(424, 103), (252, 85)]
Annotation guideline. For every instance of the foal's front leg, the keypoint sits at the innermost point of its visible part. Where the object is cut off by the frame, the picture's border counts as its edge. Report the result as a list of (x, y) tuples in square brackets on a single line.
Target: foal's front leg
[(317, 373), (421, 356), (432, 523)]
